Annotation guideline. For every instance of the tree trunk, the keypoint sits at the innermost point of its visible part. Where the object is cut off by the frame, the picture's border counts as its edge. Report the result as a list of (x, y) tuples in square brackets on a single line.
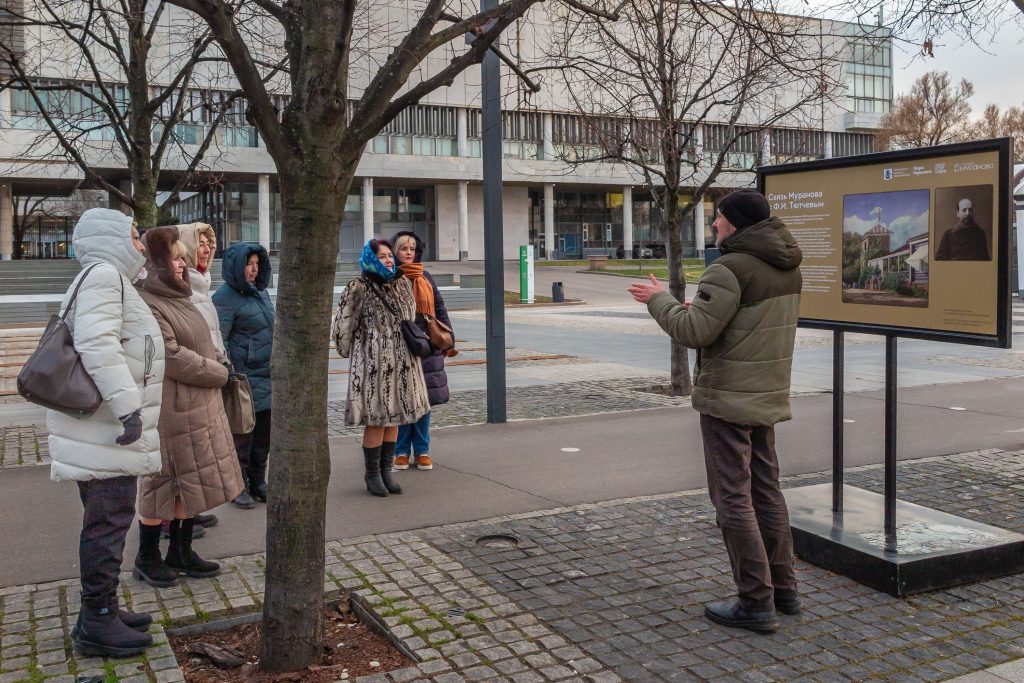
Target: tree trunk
[(682, 384), (144, 197), (300, 467)]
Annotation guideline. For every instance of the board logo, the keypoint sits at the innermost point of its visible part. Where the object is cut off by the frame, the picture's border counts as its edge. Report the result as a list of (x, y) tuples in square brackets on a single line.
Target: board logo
[(887, 174)]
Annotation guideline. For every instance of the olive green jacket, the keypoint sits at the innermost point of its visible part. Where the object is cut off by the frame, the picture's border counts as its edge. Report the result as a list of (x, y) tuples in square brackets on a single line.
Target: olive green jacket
[(743, 321)]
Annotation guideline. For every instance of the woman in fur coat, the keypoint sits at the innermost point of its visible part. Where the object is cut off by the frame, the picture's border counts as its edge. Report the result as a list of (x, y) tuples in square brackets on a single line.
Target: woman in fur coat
[(386, 386), (200, 470)]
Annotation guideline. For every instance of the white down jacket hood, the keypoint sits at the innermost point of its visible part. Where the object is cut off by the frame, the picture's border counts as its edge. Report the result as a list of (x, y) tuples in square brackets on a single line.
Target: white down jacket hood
[(189, 236), (120, 345)]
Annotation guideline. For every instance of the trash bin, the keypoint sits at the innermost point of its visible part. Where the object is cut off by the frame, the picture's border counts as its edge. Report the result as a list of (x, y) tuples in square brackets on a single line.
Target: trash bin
[(711, 255), (557, 293)]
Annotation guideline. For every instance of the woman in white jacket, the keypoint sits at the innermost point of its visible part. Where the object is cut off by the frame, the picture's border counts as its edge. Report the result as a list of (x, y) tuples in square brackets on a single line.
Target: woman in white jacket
[(120, 345), (201, 242)]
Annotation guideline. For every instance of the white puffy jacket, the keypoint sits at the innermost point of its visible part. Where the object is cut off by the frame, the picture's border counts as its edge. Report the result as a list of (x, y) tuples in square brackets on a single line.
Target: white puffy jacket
[(121, 347), (189, 236)]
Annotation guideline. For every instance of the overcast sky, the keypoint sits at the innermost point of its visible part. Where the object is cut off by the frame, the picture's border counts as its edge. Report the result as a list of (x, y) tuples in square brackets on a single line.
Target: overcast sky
[(995, 71)]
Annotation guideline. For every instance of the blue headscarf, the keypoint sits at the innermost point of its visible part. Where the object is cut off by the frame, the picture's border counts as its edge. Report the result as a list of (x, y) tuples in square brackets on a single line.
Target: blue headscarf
[(369, 263)]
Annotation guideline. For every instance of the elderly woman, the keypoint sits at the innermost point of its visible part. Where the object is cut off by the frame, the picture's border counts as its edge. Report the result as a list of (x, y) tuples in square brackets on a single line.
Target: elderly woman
[(200, 242), (386, 386), (120, 346), (246, 317), (200, 470)]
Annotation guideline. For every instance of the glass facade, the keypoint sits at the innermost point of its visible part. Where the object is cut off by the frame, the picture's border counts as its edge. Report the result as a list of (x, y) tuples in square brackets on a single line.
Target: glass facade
[(233, 211), (868, 69)]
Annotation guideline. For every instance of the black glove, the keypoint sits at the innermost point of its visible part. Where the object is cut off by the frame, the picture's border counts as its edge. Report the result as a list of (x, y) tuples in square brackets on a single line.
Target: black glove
[(132, 428), (230, 368)]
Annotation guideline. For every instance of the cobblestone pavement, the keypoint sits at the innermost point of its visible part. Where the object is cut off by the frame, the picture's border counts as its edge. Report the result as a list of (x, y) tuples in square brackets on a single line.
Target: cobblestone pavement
[(631, 392), (600, 592), (23, 446)]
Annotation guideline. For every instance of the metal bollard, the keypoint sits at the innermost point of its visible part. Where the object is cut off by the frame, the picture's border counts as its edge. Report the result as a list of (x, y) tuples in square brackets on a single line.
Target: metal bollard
[(557, 293)]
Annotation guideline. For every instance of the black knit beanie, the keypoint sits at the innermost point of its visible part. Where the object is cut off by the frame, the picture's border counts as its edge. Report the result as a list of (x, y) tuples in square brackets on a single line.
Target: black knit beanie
[(744, 208)]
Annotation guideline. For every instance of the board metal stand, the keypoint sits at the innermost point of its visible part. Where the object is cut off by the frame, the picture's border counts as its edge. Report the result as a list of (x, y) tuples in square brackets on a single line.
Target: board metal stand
[(891, 545)]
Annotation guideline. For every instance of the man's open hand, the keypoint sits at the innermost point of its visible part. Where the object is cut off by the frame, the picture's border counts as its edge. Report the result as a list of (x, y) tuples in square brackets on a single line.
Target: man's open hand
[(643, 292)]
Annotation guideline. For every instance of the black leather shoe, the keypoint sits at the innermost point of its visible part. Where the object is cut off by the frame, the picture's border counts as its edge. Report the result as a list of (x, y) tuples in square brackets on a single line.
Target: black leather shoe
[(787, 603), (205, 521), (732, 614), (244, 501), (258, 492)]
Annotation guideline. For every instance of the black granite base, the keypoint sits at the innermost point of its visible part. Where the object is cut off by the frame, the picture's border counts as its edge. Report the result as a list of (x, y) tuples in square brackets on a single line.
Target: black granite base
[(931, 549)]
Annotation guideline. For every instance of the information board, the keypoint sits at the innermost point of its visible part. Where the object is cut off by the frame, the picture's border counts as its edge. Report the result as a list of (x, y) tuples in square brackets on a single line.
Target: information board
[(913, 243)]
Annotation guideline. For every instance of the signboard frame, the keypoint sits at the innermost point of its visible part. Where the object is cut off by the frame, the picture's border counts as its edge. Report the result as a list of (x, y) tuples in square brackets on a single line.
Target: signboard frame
[(1001, 236)]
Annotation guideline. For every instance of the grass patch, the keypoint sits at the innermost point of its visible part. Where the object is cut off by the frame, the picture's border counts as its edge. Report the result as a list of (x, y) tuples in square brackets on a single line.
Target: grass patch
[(691, 273), (513, 298), (652, 262)]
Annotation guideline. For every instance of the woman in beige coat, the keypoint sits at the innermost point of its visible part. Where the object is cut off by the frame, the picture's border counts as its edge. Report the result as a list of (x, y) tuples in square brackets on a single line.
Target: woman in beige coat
[(200, 470)]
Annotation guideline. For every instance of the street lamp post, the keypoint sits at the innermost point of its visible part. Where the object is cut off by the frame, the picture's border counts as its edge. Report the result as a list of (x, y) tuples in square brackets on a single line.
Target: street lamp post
[(494, 261)]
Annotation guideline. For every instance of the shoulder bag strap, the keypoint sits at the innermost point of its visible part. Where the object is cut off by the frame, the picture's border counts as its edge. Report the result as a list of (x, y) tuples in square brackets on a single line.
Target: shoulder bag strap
[(384, 301), (74, 295)]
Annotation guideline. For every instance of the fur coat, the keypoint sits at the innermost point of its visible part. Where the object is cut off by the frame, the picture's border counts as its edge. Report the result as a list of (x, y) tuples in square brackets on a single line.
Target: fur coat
[(386, 385)]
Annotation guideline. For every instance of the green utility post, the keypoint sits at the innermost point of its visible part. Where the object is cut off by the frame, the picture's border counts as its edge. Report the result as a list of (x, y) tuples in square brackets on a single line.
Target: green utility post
[(526, 274)]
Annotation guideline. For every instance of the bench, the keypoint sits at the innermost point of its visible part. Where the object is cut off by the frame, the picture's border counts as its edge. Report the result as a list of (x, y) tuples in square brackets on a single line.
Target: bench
[(596, 262)]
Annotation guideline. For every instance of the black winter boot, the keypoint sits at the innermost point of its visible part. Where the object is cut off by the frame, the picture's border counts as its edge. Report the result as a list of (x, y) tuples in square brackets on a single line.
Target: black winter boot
[(258, 489), (135, 620), (371, 460), (387, 460), (180, 555), (102, 634), (149, 565)]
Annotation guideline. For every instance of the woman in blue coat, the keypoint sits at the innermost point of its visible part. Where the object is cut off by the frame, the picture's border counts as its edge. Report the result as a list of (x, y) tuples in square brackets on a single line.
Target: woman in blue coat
[(414, 439), (247, 324)]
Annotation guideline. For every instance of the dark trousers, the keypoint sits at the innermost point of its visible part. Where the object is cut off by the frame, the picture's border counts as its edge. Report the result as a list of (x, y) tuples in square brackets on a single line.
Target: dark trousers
[(109, 511), (743, 481), (254, 449)]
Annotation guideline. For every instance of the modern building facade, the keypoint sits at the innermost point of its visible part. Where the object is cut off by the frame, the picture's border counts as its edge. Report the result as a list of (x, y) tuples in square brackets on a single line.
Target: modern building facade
[(423, 172)]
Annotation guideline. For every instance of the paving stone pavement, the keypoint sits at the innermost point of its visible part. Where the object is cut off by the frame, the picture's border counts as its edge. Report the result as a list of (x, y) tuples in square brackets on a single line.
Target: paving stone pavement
[(600, 592)]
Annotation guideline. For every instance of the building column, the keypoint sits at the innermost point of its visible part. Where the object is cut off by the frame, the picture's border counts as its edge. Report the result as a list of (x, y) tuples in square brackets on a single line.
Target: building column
[(5, 107), (766, 148), (461, 131), (463, 220), (698, 144), (549, 221), (547, 137), (367, 209), (828, 145), (264, 209), (1020, 251), (6, 222), (627, 221)]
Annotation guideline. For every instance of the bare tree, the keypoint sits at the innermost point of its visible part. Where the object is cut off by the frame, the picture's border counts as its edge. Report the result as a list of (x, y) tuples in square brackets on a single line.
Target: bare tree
[(681, 91), (934, 111), (129, 85), (996, 124), (316, 140), (47, 207)]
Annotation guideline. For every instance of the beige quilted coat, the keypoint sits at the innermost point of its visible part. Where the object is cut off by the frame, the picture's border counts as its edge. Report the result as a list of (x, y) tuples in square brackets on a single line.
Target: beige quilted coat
[(196, 447)]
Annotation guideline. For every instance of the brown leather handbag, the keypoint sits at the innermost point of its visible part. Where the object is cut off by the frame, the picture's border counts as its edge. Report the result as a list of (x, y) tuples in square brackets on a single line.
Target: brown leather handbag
[(441, 336), (238, 404), (54, 376)]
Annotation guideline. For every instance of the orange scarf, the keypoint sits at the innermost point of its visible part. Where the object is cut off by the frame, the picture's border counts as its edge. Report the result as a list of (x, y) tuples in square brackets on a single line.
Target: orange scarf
[(421, 289)]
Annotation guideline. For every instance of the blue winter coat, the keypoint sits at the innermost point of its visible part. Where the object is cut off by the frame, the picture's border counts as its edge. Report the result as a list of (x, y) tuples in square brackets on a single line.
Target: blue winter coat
[(247, 318)]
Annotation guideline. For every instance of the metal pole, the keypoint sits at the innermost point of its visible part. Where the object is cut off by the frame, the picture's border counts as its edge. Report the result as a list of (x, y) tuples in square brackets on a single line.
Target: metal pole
[(838, 359), (890, 436), (494, 262)]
